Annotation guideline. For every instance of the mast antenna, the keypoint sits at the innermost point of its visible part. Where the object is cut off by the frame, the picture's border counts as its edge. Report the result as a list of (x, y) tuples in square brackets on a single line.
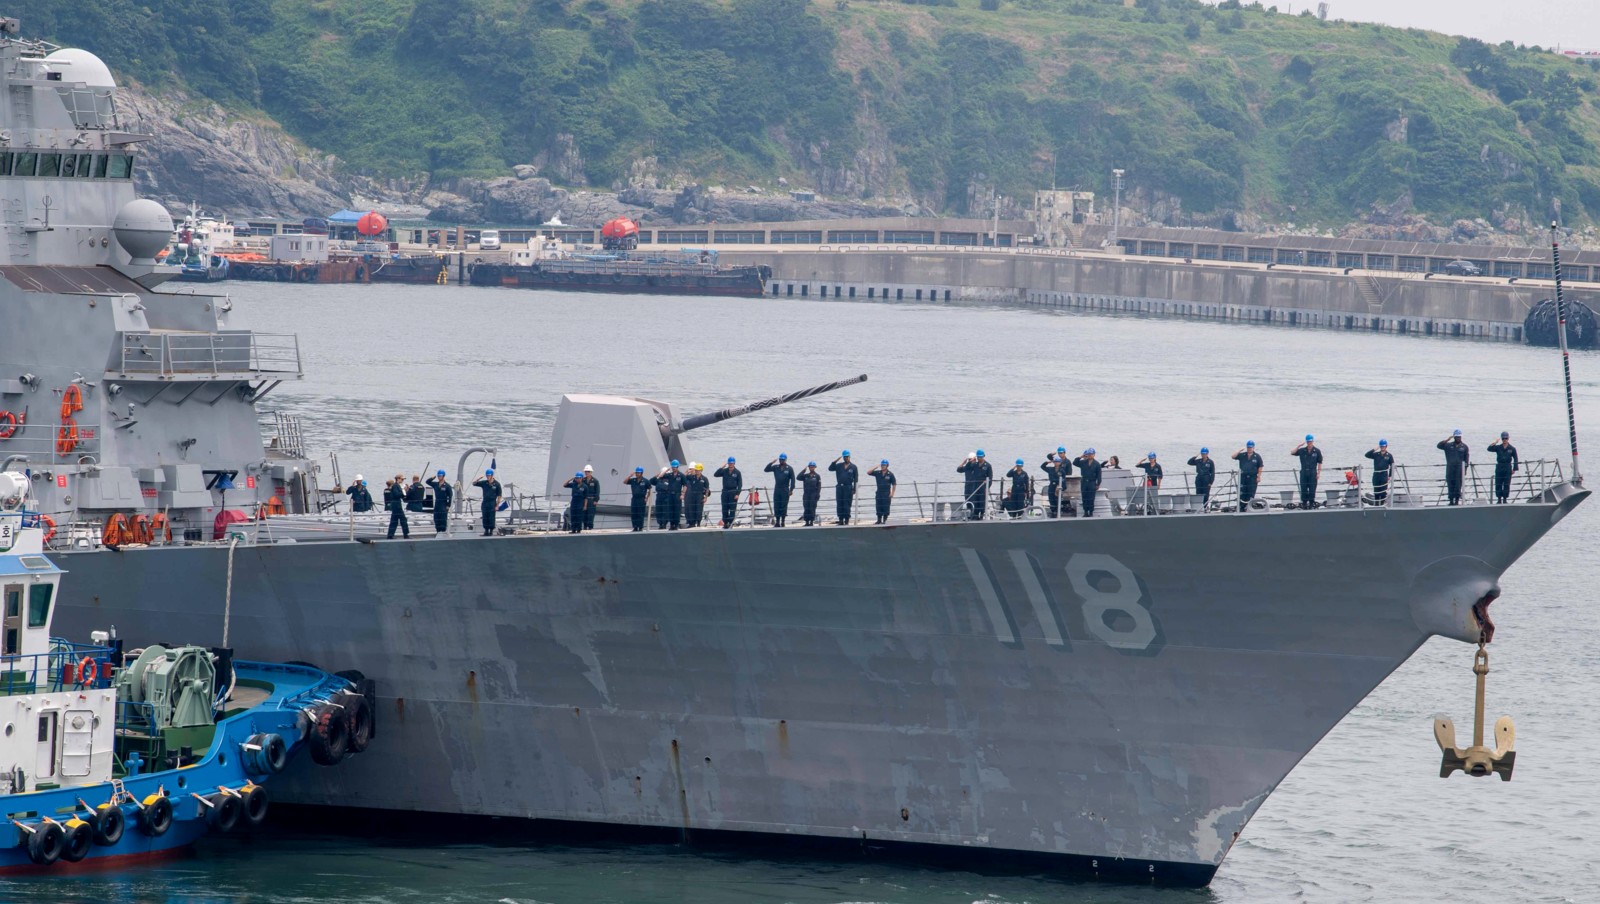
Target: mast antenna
[(1566, 359)]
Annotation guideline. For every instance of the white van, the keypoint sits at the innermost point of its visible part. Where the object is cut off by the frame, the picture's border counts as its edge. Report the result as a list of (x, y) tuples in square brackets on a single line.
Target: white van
[(489, 240)]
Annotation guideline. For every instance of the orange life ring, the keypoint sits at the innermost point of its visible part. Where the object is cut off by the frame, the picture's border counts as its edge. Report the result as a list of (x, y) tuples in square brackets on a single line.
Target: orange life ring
[(88, 670), (8, 424), (66, 437), (51, 533), (71, 401)]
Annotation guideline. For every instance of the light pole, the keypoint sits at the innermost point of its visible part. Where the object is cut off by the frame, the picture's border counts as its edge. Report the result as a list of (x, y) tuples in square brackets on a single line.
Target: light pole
[(1116, 203)]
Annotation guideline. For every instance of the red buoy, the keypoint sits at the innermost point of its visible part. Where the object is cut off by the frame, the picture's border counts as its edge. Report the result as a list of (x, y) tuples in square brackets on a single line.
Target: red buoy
[(372, 223)]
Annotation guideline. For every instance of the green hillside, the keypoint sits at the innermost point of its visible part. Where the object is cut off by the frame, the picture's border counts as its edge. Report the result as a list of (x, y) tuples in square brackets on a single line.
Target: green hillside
[(1209, 109)]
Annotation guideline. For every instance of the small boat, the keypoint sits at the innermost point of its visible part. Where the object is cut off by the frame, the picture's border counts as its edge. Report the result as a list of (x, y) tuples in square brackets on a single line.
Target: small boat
[(110, 754), (195, 247)]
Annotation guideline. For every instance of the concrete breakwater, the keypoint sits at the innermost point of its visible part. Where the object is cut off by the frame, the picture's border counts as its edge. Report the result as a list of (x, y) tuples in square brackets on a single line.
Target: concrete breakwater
[(1383, 301)]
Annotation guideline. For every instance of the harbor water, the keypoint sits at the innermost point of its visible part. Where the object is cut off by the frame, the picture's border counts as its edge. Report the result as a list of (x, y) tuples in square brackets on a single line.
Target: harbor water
[(403, 379)]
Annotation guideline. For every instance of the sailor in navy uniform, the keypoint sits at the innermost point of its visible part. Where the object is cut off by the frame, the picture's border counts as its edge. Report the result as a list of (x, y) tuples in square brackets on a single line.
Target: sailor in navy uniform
[(1310, 469), (1205, 473), (1506, 464), (669, 494), (443, 495), (416, 495), (732, 483), (640, 485), (1456, 454), (1152, 471), (782, 487), (591, 498), (1056, 469), (1250, 465), (696, 490), (491, 499), (811, 493), (885, 492), (1382, 467), (1021, 483), (1088, 479), (360, 496), (978, 474), (846, 475), (580, 497), (394, 499)]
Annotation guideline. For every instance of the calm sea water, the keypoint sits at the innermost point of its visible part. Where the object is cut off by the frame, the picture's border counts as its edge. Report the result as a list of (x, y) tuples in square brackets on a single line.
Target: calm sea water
[(404, 378)]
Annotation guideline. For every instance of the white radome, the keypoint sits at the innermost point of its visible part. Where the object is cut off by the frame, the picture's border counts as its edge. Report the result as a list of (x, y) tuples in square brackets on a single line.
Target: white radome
[(81, 66)]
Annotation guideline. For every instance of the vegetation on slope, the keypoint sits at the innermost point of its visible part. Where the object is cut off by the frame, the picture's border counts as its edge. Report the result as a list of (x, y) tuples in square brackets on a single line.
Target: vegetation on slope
[(1225, 108)]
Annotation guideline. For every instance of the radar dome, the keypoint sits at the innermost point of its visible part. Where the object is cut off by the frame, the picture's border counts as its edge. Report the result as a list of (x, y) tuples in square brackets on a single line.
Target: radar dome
[(142, 228), (81, 66)]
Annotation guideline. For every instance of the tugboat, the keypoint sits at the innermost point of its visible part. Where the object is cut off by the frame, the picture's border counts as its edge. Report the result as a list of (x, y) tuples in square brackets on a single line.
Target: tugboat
[(112, 754), (195, 246)]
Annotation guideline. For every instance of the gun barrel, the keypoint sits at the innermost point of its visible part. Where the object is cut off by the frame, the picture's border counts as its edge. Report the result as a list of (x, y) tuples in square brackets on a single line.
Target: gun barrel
[(701, 420)]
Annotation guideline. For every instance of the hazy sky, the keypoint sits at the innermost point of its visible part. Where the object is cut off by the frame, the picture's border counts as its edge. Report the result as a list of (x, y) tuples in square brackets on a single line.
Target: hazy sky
[(1571, 24)]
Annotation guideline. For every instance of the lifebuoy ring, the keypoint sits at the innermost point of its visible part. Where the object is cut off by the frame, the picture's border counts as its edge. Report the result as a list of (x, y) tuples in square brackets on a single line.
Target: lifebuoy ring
[(71, 401), (88, 670), (67, 437), (51, 533), (8, 424)]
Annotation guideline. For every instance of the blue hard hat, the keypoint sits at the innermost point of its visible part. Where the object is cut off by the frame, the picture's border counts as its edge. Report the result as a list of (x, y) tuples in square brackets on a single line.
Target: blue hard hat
[(441, 472), (1310, 438), (730, 459), (1089, 451), (1383, 442), (1250, 445), (1504, 435), (488, 472), (980, 453), (1151, 455), (846, 454), (1458, 433), (579, 474), (674, 462), (884, 462), (783, 456), (638, 470), (1019, 461), (1204, 451), (1061, 449), (811, 464)]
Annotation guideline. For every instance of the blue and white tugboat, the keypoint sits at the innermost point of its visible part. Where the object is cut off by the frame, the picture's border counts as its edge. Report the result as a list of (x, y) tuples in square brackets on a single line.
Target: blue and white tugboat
[(109, 754)]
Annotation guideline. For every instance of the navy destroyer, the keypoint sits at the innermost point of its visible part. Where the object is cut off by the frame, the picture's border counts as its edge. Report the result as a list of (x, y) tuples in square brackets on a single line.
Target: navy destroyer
[(1113, 696)]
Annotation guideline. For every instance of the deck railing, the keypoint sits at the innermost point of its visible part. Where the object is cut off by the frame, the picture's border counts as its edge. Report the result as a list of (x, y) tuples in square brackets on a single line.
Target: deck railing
[(228, 353)]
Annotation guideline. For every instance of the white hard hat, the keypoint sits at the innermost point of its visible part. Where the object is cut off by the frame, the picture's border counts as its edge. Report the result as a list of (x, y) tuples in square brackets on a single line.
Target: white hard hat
[(588, 468), (359, 477)]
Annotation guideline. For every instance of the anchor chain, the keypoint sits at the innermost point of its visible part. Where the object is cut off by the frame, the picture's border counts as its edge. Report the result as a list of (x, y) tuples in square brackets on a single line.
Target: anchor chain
[(1478, 760)]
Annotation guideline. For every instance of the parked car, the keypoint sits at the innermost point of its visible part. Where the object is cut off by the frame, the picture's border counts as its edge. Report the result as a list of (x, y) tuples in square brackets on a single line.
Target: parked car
[(1463, 268), (489, 240)]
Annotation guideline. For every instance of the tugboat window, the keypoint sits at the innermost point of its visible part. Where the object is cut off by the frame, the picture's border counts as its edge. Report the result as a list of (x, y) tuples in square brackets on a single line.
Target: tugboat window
[(49, 165), (39, 604), (25, 163), (100, 166), (121, 167)]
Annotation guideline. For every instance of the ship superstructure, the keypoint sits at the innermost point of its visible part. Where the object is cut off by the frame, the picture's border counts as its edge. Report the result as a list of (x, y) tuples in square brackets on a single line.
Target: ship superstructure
[(1114, 696)]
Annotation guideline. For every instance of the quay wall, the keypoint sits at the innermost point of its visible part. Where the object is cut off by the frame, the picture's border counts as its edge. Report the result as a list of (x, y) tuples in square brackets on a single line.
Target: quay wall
[(1316, 297)]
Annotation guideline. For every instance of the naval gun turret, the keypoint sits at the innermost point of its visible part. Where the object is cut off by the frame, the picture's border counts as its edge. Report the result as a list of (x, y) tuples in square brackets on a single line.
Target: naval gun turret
[(616, 434)]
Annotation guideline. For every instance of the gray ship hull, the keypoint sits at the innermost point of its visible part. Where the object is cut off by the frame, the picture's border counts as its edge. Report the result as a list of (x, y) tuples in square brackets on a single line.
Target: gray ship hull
[(1117, 696)]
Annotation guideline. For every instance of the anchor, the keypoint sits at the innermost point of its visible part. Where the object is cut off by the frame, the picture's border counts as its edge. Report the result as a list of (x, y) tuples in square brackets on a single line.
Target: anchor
[(1478, 760)]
